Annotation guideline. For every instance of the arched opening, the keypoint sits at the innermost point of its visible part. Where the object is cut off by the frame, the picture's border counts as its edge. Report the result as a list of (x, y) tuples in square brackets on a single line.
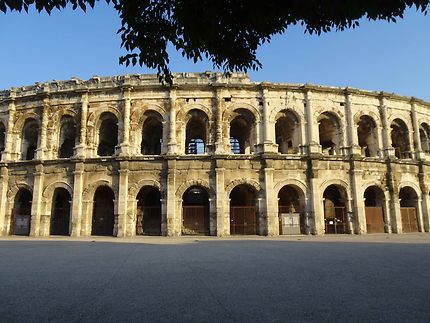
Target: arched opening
[(108, 134), (67, 139), (21, 213), (287, 132), (400, 139), (425, 137), (408, 209), (242, 132), (30, 138), (335, 213), (330, 133), (196, 133), (148, 217), (374, 202), (195, 211), (243, 210), (60, 212), (103, 212), (291, 210), (2, 137), (367, 136), (152, 134)]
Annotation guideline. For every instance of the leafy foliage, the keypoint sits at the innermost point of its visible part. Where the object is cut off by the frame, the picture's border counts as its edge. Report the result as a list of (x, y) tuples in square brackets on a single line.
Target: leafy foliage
[(227, 32)]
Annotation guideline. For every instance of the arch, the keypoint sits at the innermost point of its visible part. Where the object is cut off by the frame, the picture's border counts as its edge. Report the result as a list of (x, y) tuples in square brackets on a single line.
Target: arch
[(196, 132), (22, 118), (62, 112), (151, 135), (425, 137), (275, 112), (60, 212), (367, 134), (21, 212), (408, 200), (195, 182), (287, 132), (89, 191), (400, 139), (29, 139), (374, 209), (291, 182), (335, 209), (195, 211), (107, 134), (183, 115), (2, 136), (231, 109), (134, 189), (291, 210), (374, 116), (240, 181), (242, 132), (67, 136), (337, 182), (330, 133), (243, 210), (138, 117), (49, 189), (15, 188), (103, 218), (148, 215), (94, 118)]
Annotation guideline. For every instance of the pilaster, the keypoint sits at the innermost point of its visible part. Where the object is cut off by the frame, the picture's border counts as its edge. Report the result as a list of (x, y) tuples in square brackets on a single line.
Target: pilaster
[(170, 201), (4, 178), (219, 108), (8, 153), (387, 148), (223, 227), (268, 135), (124, 147), (81, 147), (76, 216), (36, 207), (272, 218), (123, 220), (40, 151), (171, 144), (313, 146)]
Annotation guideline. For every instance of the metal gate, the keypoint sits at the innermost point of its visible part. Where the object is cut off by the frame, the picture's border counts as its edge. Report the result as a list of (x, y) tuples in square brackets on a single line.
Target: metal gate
[(243, 220), (374, 219), (290, 223), (148, 220), (409, 219), (195, 220), (335, 220), (21, 222)]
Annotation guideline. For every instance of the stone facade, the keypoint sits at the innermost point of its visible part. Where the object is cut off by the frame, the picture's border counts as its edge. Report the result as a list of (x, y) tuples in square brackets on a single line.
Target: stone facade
[(210, 155)]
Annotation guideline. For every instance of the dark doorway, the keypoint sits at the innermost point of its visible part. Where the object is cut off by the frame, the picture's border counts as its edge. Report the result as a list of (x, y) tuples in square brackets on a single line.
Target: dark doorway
[(60, 212), (335, 216), (291, 211), (108, 135), (195, 211), (243, 215), (21, 213), (103, 212), (408, 209), (374, 210), (148, 217)]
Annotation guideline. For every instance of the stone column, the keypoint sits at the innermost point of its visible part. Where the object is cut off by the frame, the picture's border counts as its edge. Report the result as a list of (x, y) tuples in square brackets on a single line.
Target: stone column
[(268, 135), (417, 151), (387, 213), (9, 154), (388, 150), (81, 147), (124, 147), (395, 216), (222, 222), (4, 178), (219, 142), (170, 207), (313, 146), (420, 215), (426, 212), (76, 216), (270, 204), (171, 144), (317, 208), (358, 206), (122, 200), (40, 151), (352, 142), (36, 206)]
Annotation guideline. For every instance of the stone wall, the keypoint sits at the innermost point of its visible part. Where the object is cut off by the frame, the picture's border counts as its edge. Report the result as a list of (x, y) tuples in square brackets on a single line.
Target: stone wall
[(324, 148)]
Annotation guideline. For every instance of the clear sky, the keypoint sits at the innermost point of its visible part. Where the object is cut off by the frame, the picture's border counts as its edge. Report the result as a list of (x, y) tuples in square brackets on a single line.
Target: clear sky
[(393, 57)]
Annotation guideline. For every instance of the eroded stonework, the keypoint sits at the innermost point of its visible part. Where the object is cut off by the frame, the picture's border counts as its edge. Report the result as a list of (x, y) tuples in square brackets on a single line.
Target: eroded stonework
[(210, 155)]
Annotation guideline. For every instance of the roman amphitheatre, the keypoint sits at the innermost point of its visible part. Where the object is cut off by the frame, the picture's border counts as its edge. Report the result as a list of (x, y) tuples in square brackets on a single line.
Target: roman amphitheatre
[(125, 156)]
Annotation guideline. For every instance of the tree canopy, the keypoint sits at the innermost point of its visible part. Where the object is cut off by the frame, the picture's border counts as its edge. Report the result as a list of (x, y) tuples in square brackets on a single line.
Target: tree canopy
[(226, 32)]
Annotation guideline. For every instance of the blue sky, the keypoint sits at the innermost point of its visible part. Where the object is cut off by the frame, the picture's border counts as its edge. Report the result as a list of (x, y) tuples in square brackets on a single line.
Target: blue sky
[(393, 57)]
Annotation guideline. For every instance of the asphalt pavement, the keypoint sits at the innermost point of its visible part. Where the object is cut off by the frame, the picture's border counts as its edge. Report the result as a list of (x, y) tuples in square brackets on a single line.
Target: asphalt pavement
[(301, 279)]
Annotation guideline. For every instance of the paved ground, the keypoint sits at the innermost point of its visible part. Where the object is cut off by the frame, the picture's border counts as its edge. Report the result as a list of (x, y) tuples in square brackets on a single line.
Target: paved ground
[(376, 278)]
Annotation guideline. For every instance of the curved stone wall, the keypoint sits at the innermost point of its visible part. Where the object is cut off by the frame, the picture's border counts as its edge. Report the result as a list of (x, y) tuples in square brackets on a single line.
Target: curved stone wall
[(269, 158)]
